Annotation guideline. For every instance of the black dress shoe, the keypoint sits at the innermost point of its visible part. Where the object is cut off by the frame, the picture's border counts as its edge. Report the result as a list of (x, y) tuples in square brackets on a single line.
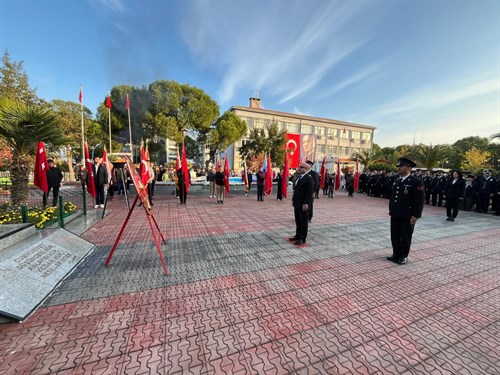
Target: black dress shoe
[(403, 261), (299, 242), (392, 258), (448, 218), (452, 219), (294, 238)]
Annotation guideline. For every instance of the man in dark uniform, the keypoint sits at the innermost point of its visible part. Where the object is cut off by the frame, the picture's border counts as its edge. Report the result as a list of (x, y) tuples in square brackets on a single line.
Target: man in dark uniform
[(427, 183), (315, 178), (485, 191), (54, 178), (302, 199), (405, 207)]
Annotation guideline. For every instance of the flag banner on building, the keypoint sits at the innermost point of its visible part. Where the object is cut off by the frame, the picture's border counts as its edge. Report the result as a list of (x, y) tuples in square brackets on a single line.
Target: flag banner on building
[(322, 172), (107, 163), (90, 172), (292, 147), (226, 174), (41, 167), (308, 147), (185, 169), (300, 147), (337, 178), (268, 182), (356, 177), (285, 177)]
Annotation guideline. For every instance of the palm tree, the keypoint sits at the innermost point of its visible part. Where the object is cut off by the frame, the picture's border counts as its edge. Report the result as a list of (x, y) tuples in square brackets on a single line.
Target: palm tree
[(21, 127), (429, 156), (365, 157)]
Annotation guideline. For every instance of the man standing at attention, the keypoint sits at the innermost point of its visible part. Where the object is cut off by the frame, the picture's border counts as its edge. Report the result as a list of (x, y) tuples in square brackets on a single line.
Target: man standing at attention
[(100, 179), (405, 207), (54, 178), (301, 201)]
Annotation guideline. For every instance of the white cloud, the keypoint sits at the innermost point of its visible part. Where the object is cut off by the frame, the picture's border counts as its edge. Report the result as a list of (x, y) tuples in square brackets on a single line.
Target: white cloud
[(283, 48), (370, 70), (114, 5)]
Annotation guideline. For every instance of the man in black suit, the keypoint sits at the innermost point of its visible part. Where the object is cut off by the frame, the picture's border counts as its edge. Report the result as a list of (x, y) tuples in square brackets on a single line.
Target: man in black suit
[(302, 197), (405, 207), (100, 179)]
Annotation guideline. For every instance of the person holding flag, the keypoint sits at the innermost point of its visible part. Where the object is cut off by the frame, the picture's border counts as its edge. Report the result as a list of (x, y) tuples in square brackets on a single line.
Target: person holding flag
[(100, 175), (261, 177), (219, 185)]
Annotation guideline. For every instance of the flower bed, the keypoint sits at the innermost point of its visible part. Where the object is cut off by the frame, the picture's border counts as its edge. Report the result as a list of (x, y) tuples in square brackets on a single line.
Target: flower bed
[(41, 217)]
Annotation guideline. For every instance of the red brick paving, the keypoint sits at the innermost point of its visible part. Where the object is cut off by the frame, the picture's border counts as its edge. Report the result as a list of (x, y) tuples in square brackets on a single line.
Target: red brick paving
[(341, 315)]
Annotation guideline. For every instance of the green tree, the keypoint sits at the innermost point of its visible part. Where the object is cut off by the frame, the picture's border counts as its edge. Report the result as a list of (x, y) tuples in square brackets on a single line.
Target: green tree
[(366, 157), (69, 118), (460, 147), (228, 129), (21, 127), (177, 108), (14, 81), (429, 156), (270, 141)]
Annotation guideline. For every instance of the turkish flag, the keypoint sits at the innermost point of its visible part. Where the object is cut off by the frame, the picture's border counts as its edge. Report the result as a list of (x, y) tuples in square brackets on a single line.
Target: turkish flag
[(127, 103), (356, 177), (185, 170), (144, 169), (80, 97), (41, 167), (90, 173), (108, 101), (284, 181), (337, 178), (226, 175), (323, 173), (268, 180), (292, 147)]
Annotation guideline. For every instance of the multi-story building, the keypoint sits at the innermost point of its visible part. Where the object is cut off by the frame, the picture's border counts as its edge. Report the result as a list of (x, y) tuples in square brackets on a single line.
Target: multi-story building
[(335, 139)]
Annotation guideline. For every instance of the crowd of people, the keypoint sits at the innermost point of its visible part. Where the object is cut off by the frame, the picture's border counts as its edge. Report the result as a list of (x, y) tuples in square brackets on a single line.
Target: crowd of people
[(454, 190)]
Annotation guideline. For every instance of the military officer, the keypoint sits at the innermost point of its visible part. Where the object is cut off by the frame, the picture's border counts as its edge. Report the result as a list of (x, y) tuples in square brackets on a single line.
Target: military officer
[(405, 207)]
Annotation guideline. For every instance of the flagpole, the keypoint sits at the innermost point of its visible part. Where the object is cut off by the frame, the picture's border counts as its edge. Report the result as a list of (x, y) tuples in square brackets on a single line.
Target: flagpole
[(130, 130), (109, 118), (83, 128)]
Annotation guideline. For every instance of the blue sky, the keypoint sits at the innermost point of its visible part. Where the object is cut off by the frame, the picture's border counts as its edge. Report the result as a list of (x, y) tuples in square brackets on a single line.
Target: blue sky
[(427, 71)]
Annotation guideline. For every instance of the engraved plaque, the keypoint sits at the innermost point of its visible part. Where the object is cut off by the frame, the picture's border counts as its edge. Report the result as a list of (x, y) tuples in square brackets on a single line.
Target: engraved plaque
[(31, 272)]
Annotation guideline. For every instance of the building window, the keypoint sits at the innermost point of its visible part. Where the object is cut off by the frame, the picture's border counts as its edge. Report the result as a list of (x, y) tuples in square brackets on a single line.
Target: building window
[(344, 134), (344, 150), (332, 150), (355, 135), (319, 130), (258, 123), (292, 127), (306, 129), (332, 133), (281, 125), (366, 137), (320, 149)]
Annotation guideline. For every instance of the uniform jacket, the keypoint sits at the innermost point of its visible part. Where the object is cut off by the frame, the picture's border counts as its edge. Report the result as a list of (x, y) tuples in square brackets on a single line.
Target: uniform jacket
[(455, 190), (315, 178), (260, 178), (486, 186), (407, 198), (219, 178), (54, 177), (470, 190), (303, 191)]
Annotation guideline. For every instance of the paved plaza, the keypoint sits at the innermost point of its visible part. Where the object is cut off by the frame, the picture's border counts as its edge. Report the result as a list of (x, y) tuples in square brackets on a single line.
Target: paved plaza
[(241, 299)]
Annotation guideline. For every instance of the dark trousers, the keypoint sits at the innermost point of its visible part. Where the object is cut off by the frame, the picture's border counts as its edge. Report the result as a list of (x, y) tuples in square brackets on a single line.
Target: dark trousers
[(452, 206), (182, 195), (401, 233), (350, 190), (301, 223), (55, 194), (427, 196), (483, 203), (151, 191), (260, 192), (311, 210), (99, 194), (468, 203)]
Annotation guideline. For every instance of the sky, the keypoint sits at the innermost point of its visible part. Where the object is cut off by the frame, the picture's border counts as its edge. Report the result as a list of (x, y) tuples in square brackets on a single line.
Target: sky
[(420, 71)]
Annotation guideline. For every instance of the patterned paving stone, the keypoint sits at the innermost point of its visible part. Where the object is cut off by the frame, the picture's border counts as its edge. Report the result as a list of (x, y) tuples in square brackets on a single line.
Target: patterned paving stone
[(241, 299)]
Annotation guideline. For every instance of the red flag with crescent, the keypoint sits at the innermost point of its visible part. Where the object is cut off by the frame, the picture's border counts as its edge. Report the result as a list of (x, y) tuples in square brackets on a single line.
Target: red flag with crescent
[(90, 172), (226, 174), (337, 178), (144, 166), (184, 167), (41, 167), (356, 177), (323, 174), (292, 146), (284, 181)]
